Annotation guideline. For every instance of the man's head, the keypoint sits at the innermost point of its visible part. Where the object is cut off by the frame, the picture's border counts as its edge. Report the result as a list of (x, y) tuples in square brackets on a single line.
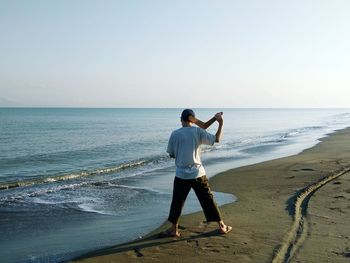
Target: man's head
[(186, 114)]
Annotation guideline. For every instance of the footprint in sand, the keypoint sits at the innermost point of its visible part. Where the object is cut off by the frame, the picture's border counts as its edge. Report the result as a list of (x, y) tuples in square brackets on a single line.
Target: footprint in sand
[(303, 170), (337, 209), (203, 224), (345, 254), (138, 253), (193, 242)]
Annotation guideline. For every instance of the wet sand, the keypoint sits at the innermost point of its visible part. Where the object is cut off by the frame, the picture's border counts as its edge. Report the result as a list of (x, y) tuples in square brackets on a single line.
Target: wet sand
[(291, 209)]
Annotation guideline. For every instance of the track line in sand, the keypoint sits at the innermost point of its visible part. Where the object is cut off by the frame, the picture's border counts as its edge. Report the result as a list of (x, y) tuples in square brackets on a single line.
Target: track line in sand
[(298, 231)]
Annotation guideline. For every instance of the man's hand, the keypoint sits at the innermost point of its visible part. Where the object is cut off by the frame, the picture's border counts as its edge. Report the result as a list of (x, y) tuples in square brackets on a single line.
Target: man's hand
[(219, 118), (192, 119), (218, 115)]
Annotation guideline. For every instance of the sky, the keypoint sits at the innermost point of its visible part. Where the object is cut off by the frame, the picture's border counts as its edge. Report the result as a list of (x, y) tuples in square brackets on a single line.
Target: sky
[(170, 54)]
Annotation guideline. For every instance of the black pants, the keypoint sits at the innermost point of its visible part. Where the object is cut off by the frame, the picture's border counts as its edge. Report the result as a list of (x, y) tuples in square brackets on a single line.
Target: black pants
[(201, 188)]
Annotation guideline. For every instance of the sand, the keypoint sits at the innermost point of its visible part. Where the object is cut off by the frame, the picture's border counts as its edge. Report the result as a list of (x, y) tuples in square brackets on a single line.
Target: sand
[(293, 209)]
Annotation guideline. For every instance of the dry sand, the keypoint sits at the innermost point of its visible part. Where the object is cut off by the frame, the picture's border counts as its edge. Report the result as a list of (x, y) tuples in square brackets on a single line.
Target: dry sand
[(293, 209)]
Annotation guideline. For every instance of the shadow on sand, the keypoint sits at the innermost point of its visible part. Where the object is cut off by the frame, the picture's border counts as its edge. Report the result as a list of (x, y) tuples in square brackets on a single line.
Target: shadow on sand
[(146, 242)]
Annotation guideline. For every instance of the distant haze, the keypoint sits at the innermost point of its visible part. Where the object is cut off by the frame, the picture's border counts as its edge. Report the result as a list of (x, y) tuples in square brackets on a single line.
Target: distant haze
[(175, 53)]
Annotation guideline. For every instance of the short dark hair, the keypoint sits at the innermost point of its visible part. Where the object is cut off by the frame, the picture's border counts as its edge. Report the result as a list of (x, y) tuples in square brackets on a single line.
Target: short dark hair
[(186, 113)]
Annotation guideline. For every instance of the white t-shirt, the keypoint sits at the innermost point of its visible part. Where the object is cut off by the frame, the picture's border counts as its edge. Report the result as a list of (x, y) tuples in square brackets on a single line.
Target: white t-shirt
[(185, 145)]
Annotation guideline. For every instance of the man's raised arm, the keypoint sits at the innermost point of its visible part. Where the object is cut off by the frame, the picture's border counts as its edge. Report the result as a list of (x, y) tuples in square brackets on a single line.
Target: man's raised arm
[(205, 125), (219, 131)]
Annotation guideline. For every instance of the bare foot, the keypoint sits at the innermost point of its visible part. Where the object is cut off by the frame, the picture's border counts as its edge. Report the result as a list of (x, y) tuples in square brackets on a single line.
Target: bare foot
[(171, 232), (225, 229)]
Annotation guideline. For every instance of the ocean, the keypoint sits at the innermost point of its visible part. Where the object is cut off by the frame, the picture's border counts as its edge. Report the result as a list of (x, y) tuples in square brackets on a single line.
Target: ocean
[(73, 180)]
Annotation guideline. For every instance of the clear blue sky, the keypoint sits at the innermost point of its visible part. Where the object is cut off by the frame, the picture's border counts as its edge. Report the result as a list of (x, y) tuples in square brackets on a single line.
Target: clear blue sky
[(175, 53)]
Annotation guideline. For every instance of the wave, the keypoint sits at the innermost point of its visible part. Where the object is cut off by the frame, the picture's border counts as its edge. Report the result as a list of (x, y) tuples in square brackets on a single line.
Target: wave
[(138, 188), (36, 195), (90, 208), (345, 115), (81, 174), (277, 138), (245, 144)]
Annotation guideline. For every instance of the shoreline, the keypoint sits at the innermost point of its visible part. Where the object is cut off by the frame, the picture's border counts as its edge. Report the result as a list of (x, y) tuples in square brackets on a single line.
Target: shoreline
[(261, 217)]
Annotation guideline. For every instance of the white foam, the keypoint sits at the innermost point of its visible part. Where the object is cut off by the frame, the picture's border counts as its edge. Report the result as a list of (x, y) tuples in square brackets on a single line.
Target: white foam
[(86, 207)]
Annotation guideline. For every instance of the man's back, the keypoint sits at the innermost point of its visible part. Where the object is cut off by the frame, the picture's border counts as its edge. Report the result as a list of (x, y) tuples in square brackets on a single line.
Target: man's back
[(184, 144)]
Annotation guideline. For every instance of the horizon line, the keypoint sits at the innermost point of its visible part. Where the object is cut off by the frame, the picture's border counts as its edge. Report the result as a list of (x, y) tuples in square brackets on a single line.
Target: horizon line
[(80, 107)]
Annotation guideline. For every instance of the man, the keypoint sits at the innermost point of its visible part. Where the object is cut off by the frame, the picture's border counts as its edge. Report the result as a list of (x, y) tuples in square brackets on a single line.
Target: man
[(185, 146)]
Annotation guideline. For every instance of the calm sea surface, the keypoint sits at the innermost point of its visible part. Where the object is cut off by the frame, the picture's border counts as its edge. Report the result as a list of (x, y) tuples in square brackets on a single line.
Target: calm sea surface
[(74, 180)]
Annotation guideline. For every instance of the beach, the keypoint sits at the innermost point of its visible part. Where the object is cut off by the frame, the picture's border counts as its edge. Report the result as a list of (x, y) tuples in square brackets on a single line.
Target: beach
[(292, 209), (92, 93), (74, 181)]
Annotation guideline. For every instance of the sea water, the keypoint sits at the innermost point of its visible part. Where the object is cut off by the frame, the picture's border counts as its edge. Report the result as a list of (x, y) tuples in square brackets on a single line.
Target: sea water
[(75, 180)]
